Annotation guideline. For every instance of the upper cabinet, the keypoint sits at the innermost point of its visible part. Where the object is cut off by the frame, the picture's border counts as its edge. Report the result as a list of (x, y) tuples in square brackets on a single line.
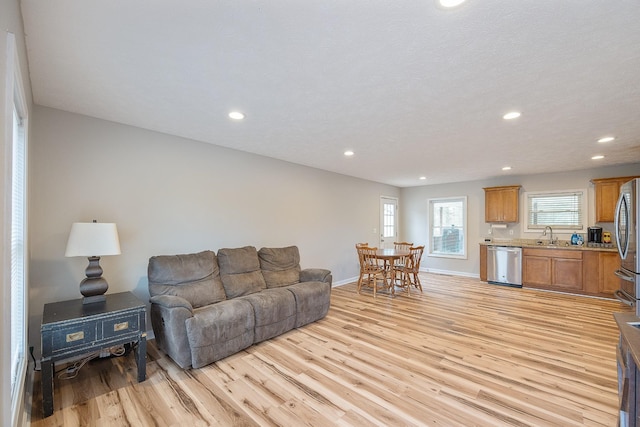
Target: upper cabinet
[(501, 203), (607, 191)]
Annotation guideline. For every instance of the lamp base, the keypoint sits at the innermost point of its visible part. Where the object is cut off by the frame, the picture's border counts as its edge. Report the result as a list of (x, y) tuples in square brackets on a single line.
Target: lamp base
[(94, 285)]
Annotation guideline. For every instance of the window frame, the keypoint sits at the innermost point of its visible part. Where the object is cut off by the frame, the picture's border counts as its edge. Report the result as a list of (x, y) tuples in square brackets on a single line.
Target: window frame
[(464, 228), (584, 212)]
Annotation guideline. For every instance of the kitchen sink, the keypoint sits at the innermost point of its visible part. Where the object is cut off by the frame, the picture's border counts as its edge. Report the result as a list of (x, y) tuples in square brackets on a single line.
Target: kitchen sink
[(552, 245)]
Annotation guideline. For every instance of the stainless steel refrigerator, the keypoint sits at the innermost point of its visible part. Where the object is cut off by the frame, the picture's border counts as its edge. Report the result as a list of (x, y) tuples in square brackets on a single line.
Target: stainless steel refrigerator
[(627, 237)]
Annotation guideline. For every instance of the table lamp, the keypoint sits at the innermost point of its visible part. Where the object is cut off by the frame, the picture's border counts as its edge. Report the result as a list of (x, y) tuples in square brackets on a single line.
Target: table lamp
[(93, 240)]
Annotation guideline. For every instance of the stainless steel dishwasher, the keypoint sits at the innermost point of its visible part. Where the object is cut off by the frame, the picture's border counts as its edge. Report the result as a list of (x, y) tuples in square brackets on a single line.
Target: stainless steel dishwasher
[(504, 265)]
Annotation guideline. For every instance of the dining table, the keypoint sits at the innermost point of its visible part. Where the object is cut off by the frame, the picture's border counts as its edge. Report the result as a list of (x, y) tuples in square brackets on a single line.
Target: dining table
[(390, 256)]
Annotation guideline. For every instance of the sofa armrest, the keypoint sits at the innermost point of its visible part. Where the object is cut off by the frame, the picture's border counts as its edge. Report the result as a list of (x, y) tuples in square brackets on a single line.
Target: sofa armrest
[(315, 275), (168, 318), (171, 301)]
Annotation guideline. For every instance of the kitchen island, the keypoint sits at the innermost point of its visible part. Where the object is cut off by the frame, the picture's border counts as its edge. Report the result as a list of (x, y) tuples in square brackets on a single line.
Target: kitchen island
[(628, 361), (563, 267)]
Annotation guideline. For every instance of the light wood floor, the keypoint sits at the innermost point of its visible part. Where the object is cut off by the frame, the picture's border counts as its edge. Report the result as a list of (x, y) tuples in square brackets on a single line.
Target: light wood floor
[(463, 353)]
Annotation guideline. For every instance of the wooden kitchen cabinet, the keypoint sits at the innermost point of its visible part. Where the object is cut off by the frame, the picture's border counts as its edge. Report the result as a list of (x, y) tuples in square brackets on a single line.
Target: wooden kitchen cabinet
[(483, 263), (501, 203), (536, 269), (555, 269), (607, 191), (598, 272)]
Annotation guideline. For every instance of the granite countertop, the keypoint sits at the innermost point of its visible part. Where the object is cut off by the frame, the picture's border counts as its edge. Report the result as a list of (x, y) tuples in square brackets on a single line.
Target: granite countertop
[(533, 243), (631, 334)]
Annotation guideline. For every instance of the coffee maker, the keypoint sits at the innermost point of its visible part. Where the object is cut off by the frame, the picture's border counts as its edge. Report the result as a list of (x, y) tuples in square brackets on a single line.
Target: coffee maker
[(594, 236)]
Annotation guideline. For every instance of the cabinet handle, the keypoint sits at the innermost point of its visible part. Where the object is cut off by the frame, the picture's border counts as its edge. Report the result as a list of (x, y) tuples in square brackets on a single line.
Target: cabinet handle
[(120, 326), (75, 336)]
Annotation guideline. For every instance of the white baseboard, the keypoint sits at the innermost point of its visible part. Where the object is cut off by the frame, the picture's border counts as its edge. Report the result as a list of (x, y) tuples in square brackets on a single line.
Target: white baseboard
[(422, 270), (344, 282), (450, 273)]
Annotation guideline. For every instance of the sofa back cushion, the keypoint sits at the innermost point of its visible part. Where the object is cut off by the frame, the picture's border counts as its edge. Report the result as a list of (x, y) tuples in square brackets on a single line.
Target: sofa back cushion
[(240, 271), (280, 266), (194, 277)]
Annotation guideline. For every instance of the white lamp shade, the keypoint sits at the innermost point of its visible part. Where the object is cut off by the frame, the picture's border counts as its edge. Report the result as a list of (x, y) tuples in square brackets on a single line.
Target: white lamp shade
[(93, 239)]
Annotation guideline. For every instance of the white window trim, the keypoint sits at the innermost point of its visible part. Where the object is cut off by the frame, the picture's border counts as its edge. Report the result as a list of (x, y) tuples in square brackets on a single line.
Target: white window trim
[(584, 208), (464, 221)]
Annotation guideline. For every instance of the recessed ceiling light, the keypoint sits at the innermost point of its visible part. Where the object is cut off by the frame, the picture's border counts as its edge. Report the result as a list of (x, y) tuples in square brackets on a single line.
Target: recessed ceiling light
[(423, 178), (506, 168), (598, 157), (236, 115), (606, 139), (512, 115), (349, 153), (451, 3)]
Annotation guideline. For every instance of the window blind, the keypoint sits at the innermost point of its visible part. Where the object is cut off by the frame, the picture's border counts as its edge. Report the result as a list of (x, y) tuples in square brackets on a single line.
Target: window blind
[(557, 210), (17, 252)]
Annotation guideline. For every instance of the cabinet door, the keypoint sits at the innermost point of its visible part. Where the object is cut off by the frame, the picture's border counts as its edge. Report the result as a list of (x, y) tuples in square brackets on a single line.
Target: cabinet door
[(536, 271), (493, 206), (567, 273), (483, 263), (608, 281), (510, 205), (606, 199)]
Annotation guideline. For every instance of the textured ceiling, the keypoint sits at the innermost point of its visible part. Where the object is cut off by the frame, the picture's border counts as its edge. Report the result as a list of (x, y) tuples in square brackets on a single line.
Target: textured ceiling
[(413, 89)]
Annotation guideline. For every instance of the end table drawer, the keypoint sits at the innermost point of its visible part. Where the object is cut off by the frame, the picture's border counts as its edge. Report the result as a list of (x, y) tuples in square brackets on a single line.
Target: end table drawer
[(120, 326), (74, 336)]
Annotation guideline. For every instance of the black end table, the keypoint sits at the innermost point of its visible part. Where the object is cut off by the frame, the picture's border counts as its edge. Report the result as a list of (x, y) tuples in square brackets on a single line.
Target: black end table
[(71, 329)]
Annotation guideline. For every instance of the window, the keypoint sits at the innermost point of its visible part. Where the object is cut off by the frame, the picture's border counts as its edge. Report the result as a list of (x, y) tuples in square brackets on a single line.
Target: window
[(388, 220), (561, 210), (14, 340), (448, 227), (17, 251)]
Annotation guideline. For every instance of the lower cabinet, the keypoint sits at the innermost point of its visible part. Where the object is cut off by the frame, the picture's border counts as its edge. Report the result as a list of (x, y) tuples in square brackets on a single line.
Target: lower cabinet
[(599, 272), (578, 271), (552, 269), (628, 372), (483, 263)]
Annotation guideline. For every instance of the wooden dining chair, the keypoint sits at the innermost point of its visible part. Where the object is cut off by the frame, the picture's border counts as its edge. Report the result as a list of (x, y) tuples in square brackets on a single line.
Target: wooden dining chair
[(402, 246), (399, 263), (361, 261), (408, 273), (372, 269)]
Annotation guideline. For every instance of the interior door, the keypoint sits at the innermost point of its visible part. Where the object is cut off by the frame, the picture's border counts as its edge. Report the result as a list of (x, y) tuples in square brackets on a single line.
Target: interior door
[(388, 222)]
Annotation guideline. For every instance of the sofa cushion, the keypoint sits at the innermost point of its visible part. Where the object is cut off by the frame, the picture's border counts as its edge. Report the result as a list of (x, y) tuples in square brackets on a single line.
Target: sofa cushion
[(194, 277), (274, 311), (312, 301), (280, 266), (219, 330), (240, 271)]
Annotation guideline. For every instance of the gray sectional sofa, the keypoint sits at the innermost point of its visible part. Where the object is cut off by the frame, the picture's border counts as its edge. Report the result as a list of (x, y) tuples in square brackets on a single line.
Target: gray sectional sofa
[(205, 307)]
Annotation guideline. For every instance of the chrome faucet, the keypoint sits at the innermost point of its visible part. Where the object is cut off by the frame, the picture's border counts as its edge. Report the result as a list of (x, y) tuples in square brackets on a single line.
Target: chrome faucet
[(544, 233)]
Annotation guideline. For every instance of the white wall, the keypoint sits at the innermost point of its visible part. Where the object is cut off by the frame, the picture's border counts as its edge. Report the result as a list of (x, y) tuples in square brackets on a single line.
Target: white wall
[(415, 219), (171, 195)]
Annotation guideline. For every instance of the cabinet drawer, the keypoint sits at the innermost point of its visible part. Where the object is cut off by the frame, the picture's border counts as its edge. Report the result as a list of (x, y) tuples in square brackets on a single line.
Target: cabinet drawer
[(74, 336), (120, 326), (554, 253)]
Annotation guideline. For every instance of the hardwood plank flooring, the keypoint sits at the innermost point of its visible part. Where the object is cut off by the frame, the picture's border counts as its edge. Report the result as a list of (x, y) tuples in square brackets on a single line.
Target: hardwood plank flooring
[(462, 353)]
